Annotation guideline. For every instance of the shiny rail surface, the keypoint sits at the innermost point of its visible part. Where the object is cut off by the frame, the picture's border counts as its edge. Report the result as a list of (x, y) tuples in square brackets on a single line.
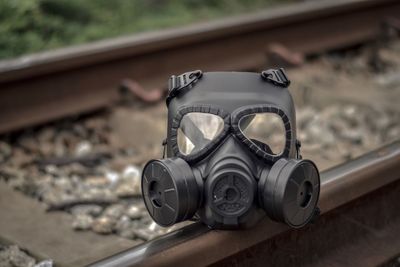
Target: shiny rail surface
[(355, 197), (42, 87)]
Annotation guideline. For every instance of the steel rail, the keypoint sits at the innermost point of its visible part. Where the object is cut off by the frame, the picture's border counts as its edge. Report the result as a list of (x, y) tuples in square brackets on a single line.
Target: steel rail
[(196, 245), (46, 86)]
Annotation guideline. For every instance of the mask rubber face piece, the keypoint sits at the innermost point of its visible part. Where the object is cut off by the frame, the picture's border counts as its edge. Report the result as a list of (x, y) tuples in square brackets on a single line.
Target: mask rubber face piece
[(170, 191), (290, 191), (232, 154)]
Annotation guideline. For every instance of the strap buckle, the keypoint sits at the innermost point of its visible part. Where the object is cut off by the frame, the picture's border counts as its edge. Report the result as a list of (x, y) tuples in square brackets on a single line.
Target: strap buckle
[(298, 146), (276, 76), (185, 80)]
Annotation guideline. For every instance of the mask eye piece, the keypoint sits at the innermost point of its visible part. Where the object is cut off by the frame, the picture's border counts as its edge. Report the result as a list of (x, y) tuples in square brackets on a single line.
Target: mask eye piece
[(197, 130), (264, 130)]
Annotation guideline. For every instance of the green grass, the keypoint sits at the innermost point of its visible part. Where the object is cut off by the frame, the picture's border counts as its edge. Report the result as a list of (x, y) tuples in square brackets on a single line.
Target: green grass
[(28, 26)]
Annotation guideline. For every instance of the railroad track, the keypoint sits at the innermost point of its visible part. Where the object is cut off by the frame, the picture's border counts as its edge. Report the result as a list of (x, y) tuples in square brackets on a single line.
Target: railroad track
[(358, 199), (359, 226), (42, 87)]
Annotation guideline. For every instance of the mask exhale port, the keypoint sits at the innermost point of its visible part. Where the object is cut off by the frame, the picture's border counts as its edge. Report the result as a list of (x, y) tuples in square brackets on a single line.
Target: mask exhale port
[(305, 194), (231, 194), (155, 194)]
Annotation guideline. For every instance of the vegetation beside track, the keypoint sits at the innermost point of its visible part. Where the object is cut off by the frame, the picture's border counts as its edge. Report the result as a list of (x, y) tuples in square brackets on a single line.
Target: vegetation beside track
[(28, 26)]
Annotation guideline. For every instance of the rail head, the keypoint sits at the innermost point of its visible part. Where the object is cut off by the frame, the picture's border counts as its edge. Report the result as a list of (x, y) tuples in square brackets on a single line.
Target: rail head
[(196, 245)]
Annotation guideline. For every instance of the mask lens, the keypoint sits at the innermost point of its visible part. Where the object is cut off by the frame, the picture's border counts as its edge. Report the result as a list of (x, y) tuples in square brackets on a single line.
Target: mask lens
[(197, 130), (265, 130)]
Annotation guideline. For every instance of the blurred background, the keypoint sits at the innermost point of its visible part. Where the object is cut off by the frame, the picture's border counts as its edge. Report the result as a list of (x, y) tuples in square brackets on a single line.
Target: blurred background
[(35, 25), (82, 102)]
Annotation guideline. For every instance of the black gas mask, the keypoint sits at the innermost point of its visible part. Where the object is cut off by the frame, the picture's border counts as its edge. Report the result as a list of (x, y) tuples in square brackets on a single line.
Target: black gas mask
[(232, 154)]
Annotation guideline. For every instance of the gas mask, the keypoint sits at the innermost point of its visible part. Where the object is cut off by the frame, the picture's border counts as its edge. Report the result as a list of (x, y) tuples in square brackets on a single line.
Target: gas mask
[(232, 154)]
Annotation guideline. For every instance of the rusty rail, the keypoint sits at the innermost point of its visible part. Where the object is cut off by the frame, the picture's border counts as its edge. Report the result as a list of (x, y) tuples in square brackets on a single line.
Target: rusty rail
[(342, 186), (46, 86)]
